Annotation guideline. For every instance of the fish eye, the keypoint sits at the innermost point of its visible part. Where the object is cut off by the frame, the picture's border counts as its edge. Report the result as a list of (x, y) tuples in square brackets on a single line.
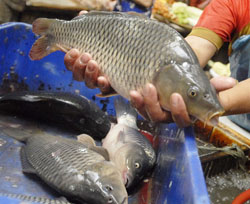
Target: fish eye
[(108, 188), (110, 200), (192, 92), (137, 165)]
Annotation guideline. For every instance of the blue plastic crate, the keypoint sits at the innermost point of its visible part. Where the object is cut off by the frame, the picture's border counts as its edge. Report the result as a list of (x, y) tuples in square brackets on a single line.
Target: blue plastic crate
[(178, 176)]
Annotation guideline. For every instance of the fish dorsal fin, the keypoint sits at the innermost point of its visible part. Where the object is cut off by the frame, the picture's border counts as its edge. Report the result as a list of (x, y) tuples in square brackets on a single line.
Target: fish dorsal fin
[(112, 13), (96, 13), (86, 140), (26, 166), (136, 14), (101, 150)]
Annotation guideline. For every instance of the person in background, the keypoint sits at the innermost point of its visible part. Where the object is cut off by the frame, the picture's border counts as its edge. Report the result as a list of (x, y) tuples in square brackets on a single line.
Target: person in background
[(222, 21)]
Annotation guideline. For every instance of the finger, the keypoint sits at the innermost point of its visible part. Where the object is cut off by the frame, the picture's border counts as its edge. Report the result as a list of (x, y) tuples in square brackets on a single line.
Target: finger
[(70, 58), (91, 74), (82, 12), (103, 84), (152, 105), (222, 83), (179, 111), (136, 100)]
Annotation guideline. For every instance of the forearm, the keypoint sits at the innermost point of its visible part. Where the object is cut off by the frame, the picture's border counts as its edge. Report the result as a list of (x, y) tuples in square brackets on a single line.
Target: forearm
[(203, 49), (237, 99)]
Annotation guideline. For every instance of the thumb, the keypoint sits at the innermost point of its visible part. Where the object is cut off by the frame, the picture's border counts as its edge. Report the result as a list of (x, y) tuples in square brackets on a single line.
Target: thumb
[(222, 83)]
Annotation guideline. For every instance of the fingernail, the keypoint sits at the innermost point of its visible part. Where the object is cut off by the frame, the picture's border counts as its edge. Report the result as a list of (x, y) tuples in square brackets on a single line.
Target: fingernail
[(91, 68), (73, 54), (84, 59)]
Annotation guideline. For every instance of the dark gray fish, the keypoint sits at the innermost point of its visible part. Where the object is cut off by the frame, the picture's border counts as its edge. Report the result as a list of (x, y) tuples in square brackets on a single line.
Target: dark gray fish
[(79, 170), (35, 199), (131, 151), (66, 109), (131, 52)]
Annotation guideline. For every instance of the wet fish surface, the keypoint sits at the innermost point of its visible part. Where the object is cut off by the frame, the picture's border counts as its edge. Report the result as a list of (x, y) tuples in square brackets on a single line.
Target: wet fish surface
[(132, 51), (35, 199), (131, 151), (70, 110), (77, 169)]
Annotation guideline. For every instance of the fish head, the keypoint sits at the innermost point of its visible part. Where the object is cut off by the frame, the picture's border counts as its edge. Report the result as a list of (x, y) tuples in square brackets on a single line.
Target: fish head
[(107, 184), (136, 164), (191, 82)]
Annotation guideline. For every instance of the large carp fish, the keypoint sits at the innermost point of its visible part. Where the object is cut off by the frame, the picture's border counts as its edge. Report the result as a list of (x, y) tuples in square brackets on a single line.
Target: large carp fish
[(78, 169), (132, 51)]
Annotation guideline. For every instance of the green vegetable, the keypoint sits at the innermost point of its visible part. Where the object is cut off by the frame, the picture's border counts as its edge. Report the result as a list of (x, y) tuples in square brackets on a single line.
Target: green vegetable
[(186, 14)]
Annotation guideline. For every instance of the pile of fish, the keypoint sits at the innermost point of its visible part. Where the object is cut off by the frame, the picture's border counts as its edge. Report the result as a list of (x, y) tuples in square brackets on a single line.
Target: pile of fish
[(78, 169), (132, 51)]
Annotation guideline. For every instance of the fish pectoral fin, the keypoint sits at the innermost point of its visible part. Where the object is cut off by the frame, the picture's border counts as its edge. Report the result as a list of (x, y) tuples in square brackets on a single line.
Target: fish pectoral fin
[(102, 95), (102, 151), (26, 166), (121, 136), (86, 140), (61, 47)]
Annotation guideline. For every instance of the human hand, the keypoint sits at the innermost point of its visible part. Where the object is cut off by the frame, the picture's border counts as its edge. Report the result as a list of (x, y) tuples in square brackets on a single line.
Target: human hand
[(86, 69), (148, 105)]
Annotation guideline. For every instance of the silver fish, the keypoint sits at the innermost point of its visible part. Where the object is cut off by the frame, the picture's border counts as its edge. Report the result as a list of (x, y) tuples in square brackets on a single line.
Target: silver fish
[(131, 151), (133, 51), (77, 169)]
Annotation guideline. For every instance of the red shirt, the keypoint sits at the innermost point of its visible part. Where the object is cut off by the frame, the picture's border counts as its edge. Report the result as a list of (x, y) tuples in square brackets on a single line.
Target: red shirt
[(224, 21)]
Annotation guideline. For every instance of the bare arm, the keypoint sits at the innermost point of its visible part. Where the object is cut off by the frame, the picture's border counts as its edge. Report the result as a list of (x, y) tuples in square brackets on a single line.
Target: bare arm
[(203, 48), (237, 99)]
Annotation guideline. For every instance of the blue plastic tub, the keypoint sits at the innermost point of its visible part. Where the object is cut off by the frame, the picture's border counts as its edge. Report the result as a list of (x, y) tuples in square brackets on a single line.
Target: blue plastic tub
[(178, 176)]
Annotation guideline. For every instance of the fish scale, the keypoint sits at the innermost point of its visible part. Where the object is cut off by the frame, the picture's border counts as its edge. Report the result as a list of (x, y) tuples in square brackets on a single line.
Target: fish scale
[(131, 52), (98, 29), (71, 160)]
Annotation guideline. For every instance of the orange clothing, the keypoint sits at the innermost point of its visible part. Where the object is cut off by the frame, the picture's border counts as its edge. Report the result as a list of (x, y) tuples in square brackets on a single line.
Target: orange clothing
[(224, 21)]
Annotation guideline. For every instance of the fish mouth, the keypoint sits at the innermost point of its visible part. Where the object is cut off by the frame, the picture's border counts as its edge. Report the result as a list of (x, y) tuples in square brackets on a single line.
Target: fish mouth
[(213, 119), (127, 179)]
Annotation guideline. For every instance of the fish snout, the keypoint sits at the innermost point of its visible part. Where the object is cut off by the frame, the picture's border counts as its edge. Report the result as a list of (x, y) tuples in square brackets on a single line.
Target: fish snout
[(213, 119)]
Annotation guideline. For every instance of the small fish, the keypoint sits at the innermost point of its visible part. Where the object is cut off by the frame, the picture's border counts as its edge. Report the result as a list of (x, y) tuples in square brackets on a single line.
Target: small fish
[(64, 108), (35, 199), (132, 51), (78, 169), (131, 151)]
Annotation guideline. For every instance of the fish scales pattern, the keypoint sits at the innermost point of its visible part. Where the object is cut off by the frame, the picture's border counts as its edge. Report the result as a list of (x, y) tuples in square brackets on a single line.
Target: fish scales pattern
[(127, 52), (57, 160)]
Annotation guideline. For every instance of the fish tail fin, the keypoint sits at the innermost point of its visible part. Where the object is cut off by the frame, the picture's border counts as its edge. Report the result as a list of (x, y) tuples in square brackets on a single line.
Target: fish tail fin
[(125, 114), (40, 48), (41, 25), (45, 44)]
